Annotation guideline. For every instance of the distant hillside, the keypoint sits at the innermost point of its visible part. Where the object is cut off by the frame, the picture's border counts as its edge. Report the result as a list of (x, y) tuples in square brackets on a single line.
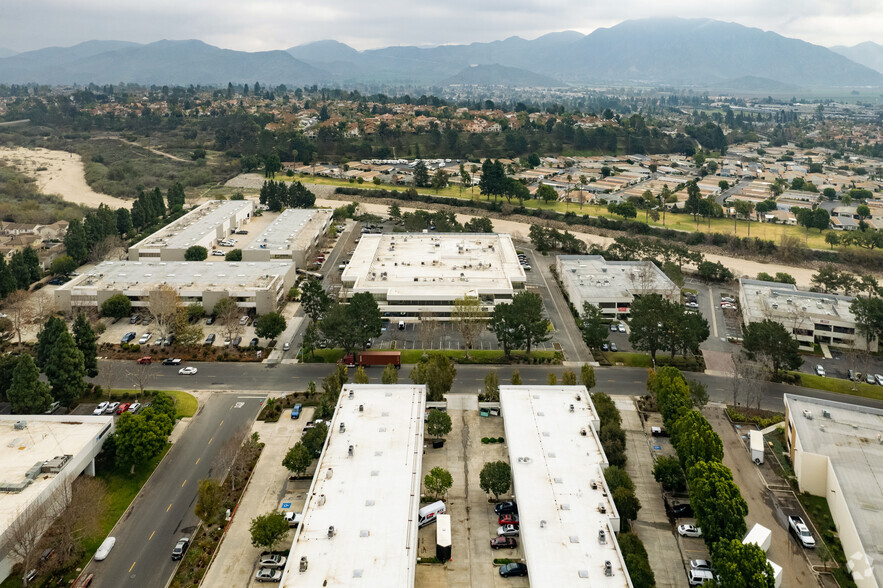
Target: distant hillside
[(868, 53), (163, 62), (500, 75), (4, 52), (698, 53)]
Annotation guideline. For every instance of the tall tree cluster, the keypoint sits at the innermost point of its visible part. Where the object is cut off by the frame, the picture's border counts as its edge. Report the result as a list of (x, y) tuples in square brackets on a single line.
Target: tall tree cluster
[(279, 195)]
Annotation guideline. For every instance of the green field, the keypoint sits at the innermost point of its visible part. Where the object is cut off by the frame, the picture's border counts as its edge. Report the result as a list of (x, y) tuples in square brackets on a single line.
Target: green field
[(410, 356), (185, 402), (841, 386)]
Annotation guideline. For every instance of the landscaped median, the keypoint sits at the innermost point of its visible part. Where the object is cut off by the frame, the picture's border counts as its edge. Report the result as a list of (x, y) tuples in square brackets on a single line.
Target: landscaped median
[(476, 356)]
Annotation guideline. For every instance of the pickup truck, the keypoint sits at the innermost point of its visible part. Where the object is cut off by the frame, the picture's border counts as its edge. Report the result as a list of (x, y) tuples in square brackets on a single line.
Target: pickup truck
[(799, 529)]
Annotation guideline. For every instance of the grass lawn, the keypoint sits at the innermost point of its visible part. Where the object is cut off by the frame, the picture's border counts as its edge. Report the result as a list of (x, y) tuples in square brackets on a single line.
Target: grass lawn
[(414, 355), (629, 359), (682, 222), (185, 402), (841, 386)]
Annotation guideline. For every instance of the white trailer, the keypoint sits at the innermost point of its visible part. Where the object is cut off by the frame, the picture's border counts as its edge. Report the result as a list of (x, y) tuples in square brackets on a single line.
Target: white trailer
[(760, 536), (777, 573), (755, 441)]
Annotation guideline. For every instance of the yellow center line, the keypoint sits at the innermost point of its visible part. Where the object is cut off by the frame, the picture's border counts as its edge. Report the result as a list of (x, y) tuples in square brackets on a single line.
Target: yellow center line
[(222, 422), (170, 506), (210, 440), (182, 483), (151, 535), (133, 565), (197, 461)]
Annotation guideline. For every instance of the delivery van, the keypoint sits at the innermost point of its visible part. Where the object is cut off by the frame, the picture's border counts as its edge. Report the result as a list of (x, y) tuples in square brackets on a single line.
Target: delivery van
[(430, 512)]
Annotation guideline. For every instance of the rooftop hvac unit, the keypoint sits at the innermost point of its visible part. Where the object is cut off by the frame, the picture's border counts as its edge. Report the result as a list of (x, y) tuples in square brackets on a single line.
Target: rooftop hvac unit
[(826, 414), (20, 425)]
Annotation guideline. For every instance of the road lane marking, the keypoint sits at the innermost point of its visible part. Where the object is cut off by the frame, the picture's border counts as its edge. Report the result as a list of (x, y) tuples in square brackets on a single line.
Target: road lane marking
[(170, 506), (182, 483), (197, 461), (210, 440), (222, 422), (151, 535), (133, 565)]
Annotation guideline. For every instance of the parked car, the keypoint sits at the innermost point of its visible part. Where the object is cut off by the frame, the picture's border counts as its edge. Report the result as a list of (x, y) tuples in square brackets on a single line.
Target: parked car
[(172, 361), (504, 543), (700, 564), (210, 340), (209, 320), (613, 347), (699, 577), (605, 347), (507, 531), (253, 343), (123, 407), (244, 320), (136, 318), (820, 370), (169, 340), (613, 327), (180, 548), (128, 337), (271, 560), (295, 411), (134, 407), (268, 575), (622, 327), (218, 252), (100, 408), (680, 510), (508, 519), (146, 360), (691, 304), (513, 569), (689, 531), (187, 371), (145, 337), (104, 548), (728, 299), (509, 507), (236, 341), (111, 408), (799, 529), (879, 378), (286, 347)]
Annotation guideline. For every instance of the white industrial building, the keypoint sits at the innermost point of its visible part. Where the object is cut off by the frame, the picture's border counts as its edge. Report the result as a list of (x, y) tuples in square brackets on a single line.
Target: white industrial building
[(42, 455), (811, 317), (567, 516), (420, 275), (204, 226), (261, 286), (611, 285), (837, 452), (293, 236), (360, 524)]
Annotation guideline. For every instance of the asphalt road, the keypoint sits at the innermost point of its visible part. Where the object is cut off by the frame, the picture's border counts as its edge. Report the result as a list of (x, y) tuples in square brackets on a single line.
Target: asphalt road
[(163, 511), (285, 378)]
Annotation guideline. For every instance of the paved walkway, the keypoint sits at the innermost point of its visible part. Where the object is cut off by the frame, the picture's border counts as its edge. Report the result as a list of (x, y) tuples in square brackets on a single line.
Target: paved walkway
[(235, 562), (652, 526)]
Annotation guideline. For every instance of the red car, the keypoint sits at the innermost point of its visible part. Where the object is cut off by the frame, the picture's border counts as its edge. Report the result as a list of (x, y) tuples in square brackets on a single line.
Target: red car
[(509, 519), (147, 359), (504, 543), (123, 407)]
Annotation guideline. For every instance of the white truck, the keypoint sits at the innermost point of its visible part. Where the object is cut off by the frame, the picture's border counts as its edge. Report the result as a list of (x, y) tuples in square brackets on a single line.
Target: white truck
[(430, 512), (760, 536), (755, 441)]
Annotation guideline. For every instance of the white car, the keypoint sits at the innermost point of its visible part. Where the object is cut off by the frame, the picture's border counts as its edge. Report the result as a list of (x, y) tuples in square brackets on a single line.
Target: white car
[(507, 531), (820, 370), (220, 253), (700, 564), (100, 408), (145, 338), (105, 548), (271, 560), (111, 407), (621, 327), (689, 531), (187, 371), (134, 407), (727, 299), (286, 347), (268, 575)]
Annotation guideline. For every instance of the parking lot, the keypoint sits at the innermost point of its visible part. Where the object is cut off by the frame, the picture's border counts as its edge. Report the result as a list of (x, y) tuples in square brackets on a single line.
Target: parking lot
[(436, 335), (114, 332)]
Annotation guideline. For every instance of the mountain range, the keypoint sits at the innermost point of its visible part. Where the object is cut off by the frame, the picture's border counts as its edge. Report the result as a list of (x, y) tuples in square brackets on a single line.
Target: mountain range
[(700, 53), (867, 53)]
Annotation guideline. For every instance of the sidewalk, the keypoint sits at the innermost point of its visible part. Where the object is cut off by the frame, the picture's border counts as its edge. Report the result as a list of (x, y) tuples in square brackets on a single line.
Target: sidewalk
[(652, 526), (234, 564), (292, 324)]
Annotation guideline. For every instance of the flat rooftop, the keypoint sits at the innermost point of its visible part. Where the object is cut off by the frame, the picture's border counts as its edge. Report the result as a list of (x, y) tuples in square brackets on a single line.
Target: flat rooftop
[(851, 440), (592, 277), (786, 304), (195, 225), (294, 229), (553, 468), (44, 438), (371, 497), (140, 275), (411, 266)]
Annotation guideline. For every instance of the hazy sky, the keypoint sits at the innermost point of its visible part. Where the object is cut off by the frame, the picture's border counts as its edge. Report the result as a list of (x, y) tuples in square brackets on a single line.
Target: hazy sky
[(254, 25)]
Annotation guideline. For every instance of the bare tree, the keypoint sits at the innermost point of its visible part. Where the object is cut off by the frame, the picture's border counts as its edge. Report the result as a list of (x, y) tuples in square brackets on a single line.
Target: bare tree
[(25, 531), (42, 307), (76, 504), (228, 315), (426, 328), (747, 376), (110, 248), (229, 458), (141, 375), (469, 318), (109, 374), (163, 305), (18, 307), (643, 278)]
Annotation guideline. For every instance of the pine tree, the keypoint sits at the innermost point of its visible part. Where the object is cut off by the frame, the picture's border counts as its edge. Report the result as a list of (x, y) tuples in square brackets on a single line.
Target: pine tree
[(46, 338), (123, 221), (75, 241), (65, 369), (8, 282), (85, 339), (27, 393)]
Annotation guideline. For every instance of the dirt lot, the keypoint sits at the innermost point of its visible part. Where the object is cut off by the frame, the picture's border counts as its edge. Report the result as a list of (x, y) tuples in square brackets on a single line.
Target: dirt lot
[(473, 521)]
